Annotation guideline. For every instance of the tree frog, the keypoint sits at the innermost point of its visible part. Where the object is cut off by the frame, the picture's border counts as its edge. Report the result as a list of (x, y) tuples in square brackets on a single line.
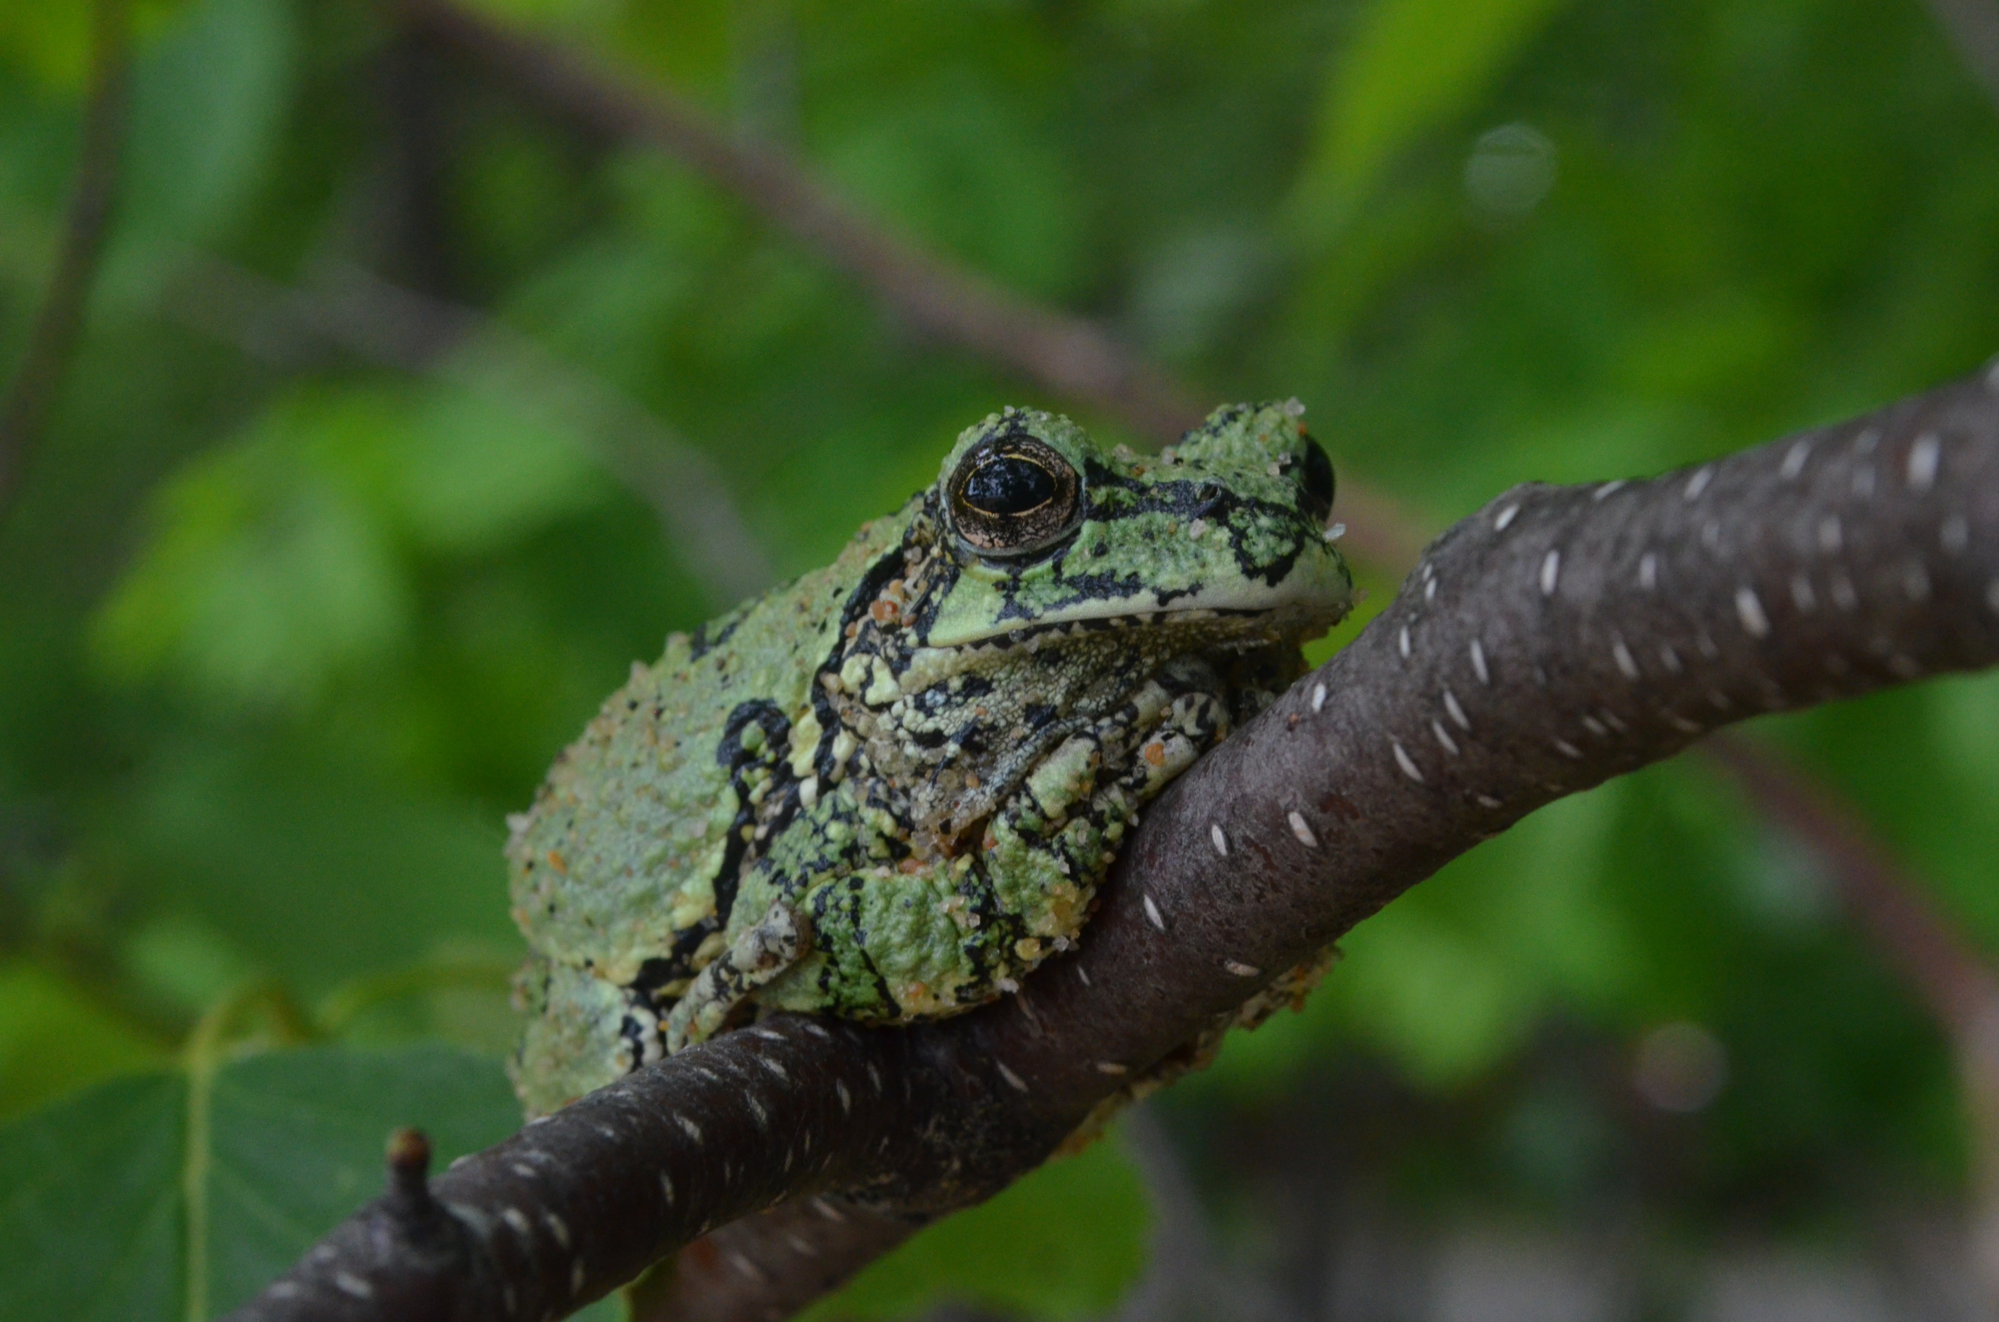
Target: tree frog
[(890, 789)]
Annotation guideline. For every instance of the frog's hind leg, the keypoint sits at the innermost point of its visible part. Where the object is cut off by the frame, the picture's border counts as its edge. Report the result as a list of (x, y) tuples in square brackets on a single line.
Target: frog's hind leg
[(759, 954)]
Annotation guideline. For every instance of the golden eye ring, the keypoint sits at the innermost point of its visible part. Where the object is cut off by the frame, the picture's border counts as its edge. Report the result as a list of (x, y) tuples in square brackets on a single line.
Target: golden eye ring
[(1014, 496)]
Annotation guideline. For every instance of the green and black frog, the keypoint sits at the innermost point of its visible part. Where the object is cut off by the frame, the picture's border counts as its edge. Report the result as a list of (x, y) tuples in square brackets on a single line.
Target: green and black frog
[(890, 789)]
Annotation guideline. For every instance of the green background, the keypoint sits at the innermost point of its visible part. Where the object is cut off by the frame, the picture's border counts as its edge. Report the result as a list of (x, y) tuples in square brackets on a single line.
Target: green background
[(286, 630)]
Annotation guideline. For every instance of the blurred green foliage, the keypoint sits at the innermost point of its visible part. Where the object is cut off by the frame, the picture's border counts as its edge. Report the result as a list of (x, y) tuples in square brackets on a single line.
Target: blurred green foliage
[(290, 618)]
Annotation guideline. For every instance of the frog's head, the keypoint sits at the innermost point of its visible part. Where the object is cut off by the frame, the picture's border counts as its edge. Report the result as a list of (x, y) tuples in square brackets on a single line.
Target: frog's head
[(1226, 529)]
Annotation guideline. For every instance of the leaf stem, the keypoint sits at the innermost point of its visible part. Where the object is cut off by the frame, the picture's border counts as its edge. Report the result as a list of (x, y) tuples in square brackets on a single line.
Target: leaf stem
[(24, 409), (337, 1013), (208, 1047)]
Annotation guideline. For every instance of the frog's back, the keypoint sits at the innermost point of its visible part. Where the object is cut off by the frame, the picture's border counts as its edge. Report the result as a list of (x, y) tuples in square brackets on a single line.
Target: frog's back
[(625, 864)]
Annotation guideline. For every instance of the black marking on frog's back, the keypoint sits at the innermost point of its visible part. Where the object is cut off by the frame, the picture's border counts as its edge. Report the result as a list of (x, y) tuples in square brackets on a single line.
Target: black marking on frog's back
[(768, 717), (781, 796), (1222, 419), (701, 642), (634, 1033), (878, 576), (940, 569), (678, 962)]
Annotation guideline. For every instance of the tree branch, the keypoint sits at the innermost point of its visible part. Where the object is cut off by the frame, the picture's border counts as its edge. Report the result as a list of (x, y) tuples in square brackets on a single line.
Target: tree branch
[(1184, 1274), (1558, 637), (1380, 532), (52, 339), (932, 294)]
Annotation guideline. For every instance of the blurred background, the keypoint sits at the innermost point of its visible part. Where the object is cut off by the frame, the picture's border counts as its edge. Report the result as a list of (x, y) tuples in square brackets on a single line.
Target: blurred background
[(405, 414)]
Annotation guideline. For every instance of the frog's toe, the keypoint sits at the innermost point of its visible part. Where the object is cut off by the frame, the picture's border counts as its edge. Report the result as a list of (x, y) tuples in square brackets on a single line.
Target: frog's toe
[(779, 939)]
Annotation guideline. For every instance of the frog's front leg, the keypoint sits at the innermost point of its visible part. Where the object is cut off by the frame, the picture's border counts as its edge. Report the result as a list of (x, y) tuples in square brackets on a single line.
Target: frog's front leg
[(758, 955), (1051, 843)]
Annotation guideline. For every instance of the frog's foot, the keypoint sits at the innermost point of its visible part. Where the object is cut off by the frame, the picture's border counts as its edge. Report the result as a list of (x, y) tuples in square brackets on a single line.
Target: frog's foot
[(779, 939), (1195, 723), (1168, 722)]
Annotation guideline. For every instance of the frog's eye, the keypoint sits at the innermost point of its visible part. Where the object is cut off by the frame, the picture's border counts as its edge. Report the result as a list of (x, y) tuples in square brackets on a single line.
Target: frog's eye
[(1318, 481), (1014, 495)]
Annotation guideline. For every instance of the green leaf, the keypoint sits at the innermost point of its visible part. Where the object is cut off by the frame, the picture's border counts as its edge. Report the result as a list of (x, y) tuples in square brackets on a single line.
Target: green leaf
[(1411, 67), (170, 1196), (1064, 1242), (271, 563), (92, 1225), (285, 558), (306, 866), (208, 102), (485, 463)]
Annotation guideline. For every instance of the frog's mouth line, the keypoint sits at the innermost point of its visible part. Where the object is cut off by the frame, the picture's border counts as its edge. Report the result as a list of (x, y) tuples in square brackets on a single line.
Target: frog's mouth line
[(1316, 589), (1028, 635), (1279, 618)]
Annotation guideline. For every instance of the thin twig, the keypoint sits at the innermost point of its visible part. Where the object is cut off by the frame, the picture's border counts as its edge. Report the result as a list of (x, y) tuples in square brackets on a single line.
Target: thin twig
[(51, 341), (1185, 1277), (1973, 29), (419, 242), (1925, 946), (929, 292), (362, 314), (1921, 942)]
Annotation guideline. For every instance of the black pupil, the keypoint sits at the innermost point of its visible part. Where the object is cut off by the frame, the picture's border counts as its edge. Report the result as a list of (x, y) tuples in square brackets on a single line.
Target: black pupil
[(1009, 484)]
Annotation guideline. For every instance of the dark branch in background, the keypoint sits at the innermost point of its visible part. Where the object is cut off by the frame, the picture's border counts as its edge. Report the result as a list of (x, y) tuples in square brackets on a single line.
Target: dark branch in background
[(1973, 29), (1184, 1275), (418, 242), (929, 293), (1949, 976), (51, 340), (1951, 979), (1560, 636), (1063, 354)]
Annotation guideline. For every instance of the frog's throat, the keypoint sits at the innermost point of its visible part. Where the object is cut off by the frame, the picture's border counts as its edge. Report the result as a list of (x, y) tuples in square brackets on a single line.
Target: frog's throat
[(1298, 607)]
